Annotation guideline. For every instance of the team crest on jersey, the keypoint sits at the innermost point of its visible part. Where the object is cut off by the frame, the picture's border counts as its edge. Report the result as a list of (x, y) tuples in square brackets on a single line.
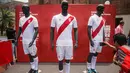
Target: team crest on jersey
[(70, 19), (29, 21)]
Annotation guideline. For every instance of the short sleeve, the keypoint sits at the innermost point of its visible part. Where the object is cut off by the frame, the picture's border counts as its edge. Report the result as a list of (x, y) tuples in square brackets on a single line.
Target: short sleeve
[(75, 23), (35, 22), (20, 24), (53, 21), (90, 21)]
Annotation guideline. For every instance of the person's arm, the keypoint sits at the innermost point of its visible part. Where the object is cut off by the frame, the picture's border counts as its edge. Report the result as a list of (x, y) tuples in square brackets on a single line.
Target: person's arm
[(90, 36), (34, 36), (52, 37), (111, 46), (19, 33), (19, 30), (104, 34), (115, 61), (90, 24), (52, 29), (75, 27), (52, 34), (76, 37), (76, 34), (89, 33)]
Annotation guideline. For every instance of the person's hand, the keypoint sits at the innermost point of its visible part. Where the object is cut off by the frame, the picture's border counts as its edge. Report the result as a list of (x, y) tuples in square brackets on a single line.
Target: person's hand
[(52, 46), (92, 43), (31, 43), (117, 63), (75, 46)]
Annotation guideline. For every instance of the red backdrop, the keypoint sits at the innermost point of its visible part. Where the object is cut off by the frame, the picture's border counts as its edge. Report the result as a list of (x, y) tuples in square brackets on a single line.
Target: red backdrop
[(44, 14), (5, 52)]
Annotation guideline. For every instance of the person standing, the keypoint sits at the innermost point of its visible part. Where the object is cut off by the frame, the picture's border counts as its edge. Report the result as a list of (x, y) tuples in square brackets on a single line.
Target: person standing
[(11, 33), (64, 23), (96, 36), (28, 26), (119, 28)]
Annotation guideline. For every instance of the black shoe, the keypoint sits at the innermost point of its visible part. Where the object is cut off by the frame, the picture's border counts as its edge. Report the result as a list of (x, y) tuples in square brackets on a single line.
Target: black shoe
[(31, 71), (35, 71)]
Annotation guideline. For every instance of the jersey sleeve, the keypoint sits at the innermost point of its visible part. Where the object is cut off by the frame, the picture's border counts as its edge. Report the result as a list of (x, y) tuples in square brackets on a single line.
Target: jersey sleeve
[(90, 21), (75, 23), (53, 22), (20, 24), (35, 22)]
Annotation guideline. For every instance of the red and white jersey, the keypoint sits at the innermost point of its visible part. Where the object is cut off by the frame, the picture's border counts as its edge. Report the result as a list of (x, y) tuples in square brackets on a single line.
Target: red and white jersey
[(119, 29), (28, 33), (95, 21), (65, 38)]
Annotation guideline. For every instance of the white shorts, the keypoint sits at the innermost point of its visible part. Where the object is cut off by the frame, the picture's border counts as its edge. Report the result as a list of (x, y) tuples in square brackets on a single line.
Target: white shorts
[(64, 52), (30, 50), (96, 48)]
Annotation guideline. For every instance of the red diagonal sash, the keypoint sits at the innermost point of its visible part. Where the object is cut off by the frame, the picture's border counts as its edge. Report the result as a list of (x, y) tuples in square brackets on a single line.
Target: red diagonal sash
[(94, 33), (64, 25), (26, 24)]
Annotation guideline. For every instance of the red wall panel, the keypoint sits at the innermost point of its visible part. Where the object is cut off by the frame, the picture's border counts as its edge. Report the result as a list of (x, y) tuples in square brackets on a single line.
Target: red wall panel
[(44, 14), (5, 52)]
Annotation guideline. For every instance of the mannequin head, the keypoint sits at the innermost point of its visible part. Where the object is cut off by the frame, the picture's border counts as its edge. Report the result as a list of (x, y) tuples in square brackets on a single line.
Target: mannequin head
[(26, 10), (64, 6), (100, 9)]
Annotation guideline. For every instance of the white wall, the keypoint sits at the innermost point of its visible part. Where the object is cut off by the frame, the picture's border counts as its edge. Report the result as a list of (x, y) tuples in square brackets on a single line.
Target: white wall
[(126, 19), (5, 1), (25, 1)]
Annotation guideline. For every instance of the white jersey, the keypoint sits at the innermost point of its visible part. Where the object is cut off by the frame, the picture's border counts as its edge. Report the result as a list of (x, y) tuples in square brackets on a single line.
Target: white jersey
[(28, 33), (94, 21), (65, 38)]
